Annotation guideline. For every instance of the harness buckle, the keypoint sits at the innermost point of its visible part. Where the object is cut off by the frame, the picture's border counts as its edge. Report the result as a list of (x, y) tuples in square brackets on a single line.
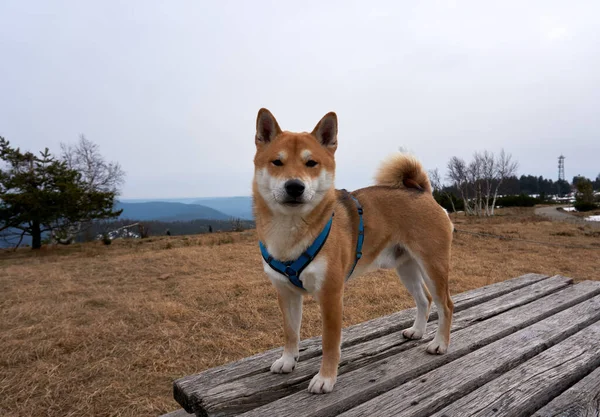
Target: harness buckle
[(290, 272)]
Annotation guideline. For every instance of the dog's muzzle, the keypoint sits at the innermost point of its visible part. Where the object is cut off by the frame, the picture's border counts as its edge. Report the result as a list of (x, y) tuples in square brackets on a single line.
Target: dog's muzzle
[(294, 190)]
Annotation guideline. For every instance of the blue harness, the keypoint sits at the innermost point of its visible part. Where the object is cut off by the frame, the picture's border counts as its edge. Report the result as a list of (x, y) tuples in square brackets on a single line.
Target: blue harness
[(292, 269)]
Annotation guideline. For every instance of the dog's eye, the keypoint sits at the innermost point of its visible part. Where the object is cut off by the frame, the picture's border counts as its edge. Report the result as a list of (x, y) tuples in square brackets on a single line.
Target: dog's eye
[(277, 163), (311, 163)]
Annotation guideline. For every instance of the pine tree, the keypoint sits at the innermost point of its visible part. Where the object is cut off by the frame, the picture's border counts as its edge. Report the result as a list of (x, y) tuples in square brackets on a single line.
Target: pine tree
[(39, 194), (584, 200)]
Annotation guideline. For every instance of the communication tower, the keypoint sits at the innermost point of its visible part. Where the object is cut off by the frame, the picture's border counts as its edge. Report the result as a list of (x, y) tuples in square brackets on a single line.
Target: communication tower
[(561, 168)]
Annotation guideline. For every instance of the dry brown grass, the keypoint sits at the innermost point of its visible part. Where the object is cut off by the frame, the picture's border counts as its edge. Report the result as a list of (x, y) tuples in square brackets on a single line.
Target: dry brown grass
[(104, 330)]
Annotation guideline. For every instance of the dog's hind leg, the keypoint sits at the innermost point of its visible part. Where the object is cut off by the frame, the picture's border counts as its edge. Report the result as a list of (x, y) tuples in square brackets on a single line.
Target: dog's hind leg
[(435, 275), (410, 275), (290, 303)]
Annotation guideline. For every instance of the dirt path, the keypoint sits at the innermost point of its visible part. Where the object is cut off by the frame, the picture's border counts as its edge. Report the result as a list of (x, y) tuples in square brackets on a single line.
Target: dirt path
[(556, 215)]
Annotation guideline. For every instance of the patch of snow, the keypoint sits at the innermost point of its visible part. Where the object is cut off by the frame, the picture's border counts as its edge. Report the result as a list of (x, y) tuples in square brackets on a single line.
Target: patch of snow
[(569, 209), (593, 218), (121, 233)]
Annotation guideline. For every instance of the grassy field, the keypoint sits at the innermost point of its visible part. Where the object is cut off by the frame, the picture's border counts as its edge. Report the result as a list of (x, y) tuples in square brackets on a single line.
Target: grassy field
[(104, 330)]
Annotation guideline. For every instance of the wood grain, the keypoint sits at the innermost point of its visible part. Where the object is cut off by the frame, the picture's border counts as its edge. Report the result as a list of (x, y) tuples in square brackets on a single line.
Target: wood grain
[(253, 391), (188, 390), (365, 383), (440, 387), (581, 400), (533, 384)]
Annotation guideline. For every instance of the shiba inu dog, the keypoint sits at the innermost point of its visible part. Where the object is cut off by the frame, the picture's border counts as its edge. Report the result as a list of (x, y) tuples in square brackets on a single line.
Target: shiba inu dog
[(301, 219)]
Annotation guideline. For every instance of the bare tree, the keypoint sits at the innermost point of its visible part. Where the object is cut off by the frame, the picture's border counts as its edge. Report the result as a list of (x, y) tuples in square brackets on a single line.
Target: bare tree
[(435, 180), (488, 173), (478, 181), (505, 167), (95, 171), (438, 186), (237, 225), (143, 230), (96, 174), (474, 180), (457, 174)]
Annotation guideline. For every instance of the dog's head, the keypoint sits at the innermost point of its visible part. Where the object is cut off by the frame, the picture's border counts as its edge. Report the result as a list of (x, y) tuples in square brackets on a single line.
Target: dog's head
[(294, 171)]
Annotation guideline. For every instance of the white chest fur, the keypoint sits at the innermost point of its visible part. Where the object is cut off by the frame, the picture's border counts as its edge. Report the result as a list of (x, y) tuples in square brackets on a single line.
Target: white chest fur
[(312, 277)]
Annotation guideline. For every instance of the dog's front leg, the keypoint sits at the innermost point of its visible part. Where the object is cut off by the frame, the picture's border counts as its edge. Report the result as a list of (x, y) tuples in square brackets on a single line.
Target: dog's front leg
[(290, 303), (330, 301)]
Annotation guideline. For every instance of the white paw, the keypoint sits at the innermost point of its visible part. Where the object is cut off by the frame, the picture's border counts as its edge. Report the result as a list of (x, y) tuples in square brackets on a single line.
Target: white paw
[(321, 385), (437, 347), (284, 365), (412, 333)]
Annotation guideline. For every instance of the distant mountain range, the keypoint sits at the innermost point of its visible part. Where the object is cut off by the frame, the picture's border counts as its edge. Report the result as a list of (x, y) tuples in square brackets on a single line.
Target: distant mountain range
[(234, 206), (239, 207), (185, 209), (168, 212)]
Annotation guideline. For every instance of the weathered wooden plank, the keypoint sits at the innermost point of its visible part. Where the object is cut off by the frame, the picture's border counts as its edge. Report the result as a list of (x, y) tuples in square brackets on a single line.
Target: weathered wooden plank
[(534, 383), (185, 389), (249, 392), (370, 351), (397, 321), (440, 387), (581, 400), (365, 383)]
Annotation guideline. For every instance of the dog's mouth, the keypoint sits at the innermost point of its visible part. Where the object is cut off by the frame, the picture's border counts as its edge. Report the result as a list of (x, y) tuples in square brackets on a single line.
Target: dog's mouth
[(293, 203)]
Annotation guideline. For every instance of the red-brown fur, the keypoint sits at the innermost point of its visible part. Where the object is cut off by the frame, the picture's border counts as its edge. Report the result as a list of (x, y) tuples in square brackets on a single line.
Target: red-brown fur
[(399, 213)]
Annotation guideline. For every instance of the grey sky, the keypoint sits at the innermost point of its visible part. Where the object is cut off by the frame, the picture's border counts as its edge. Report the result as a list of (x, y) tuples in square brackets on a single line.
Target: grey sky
[(171, 89)]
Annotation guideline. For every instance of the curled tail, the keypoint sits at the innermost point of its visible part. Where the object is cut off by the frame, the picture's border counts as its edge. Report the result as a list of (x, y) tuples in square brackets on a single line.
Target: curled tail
[(403, 171)]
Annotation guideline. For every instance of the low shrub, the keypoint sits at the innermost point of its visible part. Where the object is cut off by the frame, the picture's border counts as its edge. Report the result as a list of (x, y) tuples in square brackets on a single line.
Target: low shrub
[(585, 206), (520, 200)]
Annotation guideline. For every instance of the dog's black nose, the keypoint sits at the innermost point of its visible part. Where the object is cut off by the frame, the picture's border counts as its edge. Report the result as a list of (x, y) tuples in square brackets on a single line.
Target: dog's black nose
[(294, 188)]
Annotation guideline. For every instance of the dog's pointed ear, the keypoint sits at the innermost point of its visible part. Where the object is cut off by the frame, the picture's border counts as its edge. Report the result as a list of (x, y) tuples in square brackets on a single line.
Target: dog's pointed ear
[(326, 131), (267, 128)]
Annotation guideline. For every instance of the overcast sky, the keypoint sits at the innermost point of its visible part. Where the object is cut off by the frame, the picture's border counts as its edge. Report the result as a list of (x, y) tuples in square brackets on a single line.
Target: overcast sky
[(171, 89)]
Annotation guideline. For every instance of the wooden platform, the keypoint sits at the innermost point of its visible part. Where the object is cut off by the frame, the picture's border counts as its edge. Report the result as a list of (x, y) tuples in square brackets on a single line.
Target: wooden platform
[(527, 346)]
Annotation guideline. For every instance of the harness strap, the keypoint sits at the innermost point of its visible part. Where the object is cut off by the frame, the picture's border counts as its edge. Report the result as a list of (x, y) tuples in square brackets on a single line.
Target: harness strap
[(361, 234), (293, 269)]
